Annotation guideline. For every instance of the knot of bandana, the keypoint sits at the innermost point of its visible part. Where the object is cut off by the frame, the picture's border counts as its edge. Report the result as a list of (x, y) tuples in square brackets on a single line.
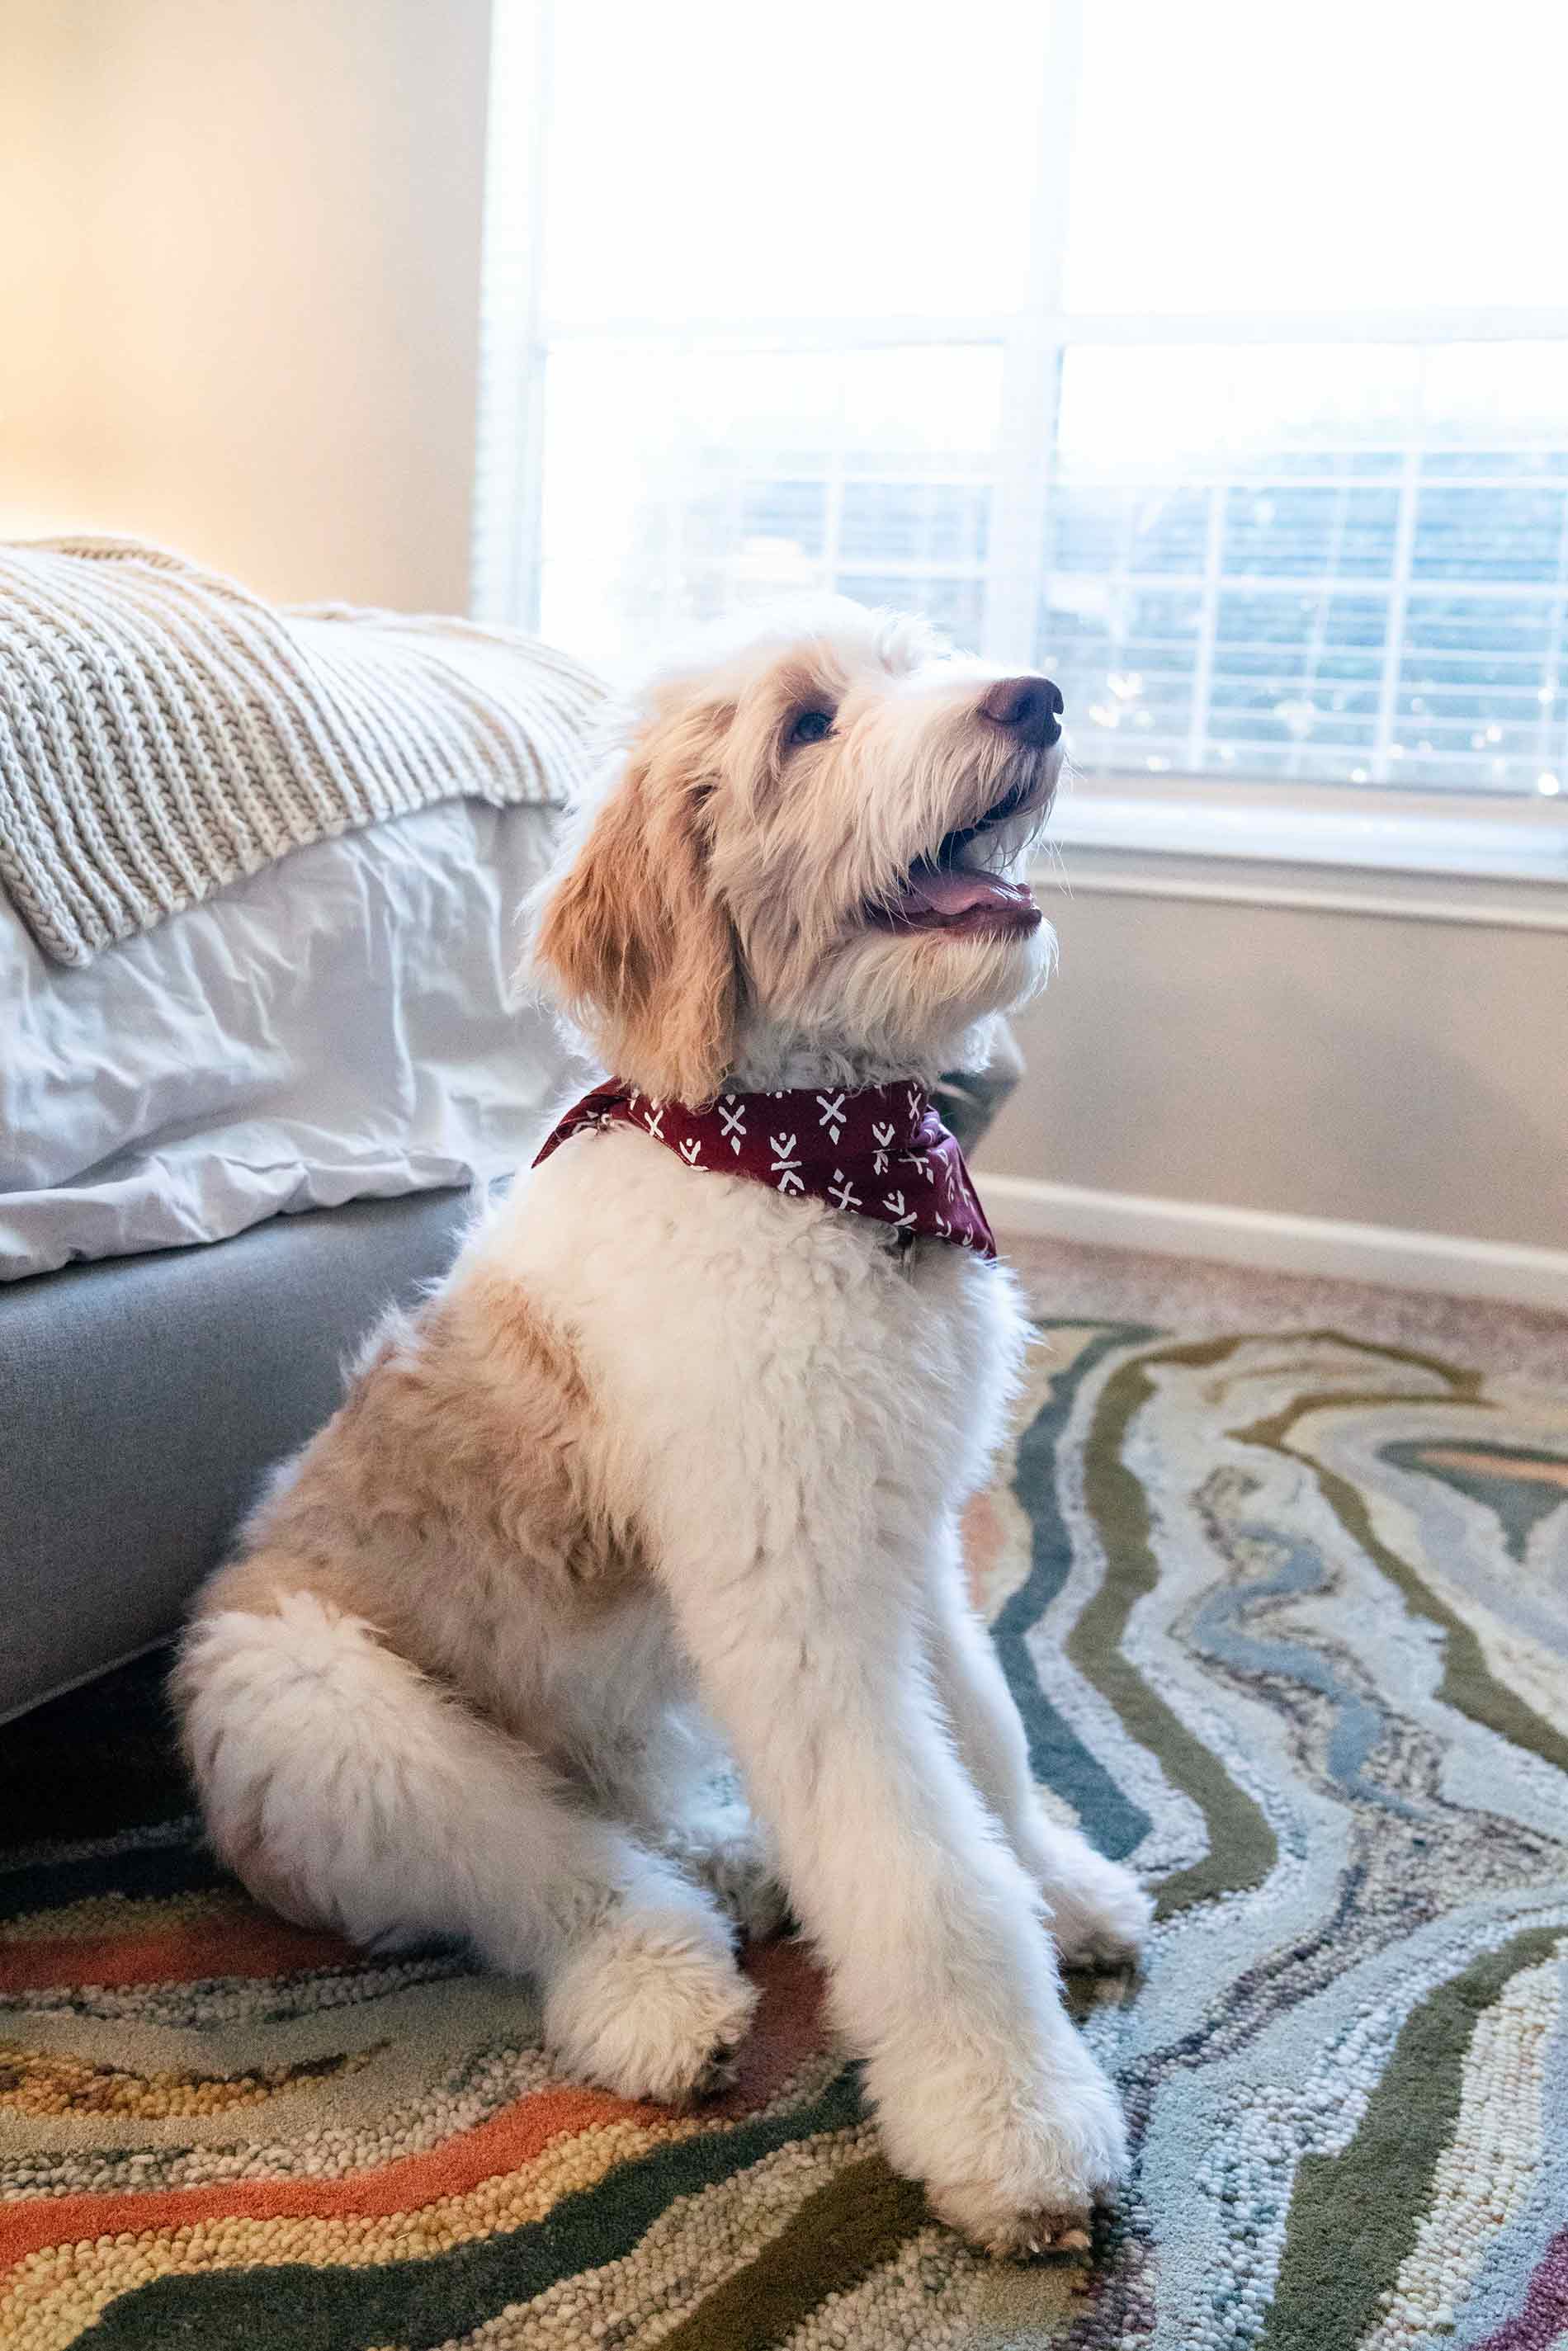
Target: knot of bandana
[(873, 1151)]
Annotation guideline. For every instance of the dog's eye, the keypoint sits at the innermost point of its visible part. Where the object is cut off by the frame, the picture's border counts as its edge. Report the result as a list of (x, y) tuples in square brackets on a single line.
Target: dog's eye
[(812, 726)]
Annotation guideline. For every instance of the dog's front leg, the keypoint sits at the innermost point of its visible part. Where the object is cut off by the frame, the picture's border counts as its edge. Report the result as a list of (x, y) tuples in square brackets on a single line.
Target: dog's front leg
[(1099, 1913), (941, 1975)]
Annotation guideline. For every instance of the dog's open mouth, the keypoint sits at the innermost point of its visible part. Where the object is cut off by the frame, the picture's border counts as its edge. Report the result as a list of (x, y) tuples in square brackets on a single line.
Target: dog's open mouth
[(945, 893)]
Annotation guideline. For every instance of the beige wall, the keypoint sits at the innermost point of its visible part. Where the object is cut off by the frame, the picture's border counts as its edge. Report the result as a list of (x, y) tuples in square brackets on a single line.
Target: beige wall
[(239, 283), (1379, 1070)]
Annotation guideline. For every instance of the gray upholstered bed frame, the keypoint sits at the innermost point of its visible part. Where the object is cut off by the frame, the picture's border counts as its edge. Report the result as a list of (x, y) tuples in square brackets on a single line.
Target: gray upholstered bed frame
[(143, 1397)]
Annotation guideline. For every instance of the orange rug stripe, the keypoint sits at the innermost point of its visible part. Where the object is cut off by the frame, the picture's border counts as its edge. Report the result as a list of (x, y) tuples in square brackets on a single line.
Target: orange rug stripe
[(253, 1943), (786, 2030)]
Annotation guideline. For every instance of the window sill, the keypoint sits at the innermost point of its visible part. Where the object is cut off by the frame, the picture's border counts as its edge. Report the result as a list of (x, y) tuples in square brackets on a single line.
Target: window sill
[(1318, 825)]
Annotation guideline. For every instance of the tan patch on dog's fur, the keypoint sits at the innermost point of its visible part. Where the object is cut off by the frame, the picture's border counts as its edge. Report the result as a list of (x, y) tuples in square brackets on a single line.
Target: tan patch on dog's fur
[(635, 936), (451, 1480)]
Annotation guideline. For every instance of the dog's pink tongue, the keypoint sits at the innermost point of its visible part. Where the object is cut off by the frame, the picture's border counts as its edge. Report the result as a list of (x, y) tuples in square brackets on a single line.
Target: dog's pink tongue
[(946, 893)]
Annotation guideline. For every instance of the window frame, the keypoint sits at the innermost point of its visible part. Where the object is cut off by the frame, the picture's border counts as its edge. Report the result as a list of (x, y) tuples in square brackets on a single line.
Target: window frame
[(1373, 826)]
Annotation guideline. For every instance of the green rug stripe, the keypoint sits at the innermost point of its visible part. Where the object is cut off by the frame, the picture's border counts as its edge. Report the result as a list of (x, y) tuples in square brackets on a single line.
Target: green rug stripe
[(1469, 1684), (1355, 2217), (843, 2231), (1241, 1846), (1466, 1382), (421, 2302), (1055, 1754)]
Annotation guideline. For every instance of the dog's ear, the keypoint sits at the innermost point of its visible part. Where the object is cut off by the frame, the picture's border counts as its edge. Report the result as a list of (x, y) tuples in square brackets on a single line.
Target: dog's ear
[(636, 943)]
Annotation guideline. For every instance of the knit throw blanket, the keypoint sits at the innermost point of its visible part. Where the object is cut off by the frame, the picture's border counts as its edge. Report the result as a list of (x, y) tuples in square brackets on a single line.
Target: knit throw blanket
[(163, 733)]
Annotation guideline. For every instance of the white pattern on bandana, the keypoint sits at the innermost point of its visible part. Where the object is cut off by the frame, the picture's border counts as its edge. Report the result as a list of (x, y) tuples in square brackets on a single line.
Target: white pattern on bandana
[(832, 1148)]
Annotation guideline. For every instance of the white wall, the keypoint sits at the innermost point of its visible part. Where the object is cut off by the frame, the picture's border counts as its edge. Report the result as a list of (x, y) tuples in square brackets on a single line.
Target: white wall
[(1357, 1067), (239, 283)]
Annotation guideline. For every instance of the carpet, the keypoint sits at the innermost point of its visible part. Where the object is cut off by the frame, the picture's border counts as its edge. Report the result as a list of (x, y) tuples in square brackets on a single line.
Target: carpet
[(1287, 1616)]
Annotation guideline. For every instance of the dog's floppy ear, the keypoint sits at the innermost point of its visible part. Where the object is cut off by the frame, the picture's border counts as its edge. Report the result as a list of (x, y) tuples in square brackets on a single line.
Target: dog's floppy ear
[(636, 943)]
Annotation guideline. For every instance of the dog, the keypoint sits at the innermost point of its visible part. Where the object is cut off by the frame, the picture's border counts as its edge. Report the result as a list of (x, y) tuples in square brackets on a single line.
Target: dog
[(664, 1480)]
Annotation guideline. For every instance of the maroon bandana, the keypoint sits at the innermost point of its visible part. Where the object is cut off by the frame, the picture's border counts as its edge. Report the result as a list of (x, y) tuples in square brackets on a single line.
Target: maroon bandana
[(880, 1151)]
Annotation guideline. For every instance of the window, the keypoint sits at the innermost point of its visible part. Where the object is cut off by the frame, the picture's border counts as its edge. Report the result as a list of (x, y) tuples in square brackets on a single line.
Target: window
[(1214, 358), (1351, 567)]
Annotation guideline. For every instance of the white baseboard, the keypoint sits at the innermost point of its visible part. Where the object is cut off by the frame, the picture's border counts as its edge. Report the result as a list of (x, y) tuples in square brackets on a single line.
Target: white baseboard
[(1279, 1244)]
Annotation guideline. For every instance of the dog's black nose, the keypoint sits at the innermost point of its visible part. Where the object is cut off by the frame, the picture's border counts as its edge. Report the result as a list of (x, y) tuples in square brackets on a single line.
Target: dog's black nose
[(1029, 708)]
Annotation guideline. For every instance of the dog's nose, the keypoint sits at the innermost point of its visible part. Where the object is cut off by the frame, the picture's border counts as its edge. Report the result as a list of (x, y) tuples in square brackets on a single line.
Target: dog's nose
[(1029, 708)]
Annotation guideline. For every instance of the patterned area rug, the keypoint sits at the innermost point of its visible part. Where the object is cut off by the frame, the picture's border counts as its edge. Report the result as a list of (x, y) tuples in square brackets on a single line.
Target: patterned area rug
[(1287, 1617)]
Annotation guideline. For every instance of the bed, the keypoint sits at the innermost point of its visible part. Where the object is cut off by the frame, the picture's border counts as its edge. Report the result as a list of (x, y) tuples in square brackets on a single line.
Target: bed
[(261, 871), (223, 1147)]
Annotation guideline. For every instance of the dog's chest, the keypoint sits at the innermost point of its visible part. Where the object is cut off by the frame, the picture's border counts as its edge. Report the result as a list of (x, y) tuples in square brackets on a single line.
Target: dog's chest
[(713, 1313)]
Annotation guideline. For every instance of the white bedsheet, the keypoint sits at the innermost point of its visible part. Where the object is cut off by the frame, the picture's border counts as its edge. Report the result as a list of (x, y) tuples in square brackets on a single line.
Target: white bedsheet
[(336, 1028)]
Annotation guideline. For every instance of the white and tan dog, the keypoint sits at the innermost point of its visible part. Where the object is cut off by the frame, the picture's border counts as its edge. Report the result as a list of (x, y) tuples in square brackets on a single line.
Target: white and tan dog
[(671, 1465)]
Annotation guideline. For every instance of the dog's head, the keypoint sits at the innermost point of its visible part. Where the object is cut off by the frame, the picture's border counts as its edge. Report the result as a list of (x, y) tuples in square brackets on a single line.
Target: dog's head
[(809, 848)]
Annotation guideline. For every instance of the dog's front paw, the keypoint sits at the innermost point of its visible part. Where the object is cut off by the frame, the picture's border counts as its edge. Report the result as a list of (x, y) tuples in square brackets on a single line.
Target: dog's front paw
[(1101, 1917), (650, 2006), (1022, 2165)]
